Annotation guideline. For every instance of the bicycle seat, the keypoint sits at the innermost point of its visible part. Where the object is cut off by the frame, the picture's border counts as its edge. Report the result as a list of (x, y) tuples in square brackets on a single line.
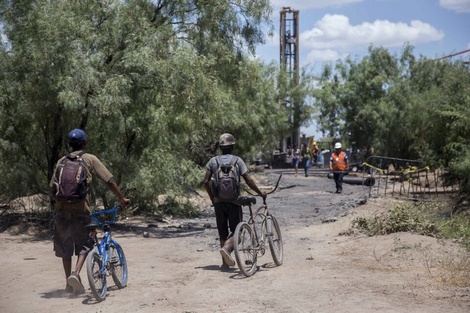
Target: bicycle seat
[(246, 200)]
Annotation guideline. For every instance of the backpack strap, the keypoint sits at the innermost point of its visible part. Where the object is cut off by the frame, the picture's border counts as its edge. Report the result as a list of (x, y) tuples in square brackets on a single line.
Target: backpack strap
[(233, 161), (234, 158), (234, 164)]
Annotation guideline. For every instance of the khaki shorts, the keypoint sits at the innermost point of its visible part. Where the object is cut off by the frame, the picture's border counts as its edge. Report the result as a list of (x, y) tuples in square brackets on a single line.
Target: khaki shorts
[(70, 234)]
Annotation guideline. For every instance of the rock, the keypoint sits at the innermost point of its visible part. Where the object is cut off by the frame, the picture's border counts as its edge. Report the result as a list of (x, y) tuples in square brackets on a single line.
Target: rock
[(329, 220)]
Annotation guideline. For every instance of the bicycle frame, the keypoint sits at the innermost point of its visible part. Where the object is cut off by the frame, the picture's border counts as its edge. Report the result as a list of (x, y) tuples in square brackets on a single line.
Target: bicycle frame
[(103, 245), (107, 258), (264, 215), (257, 218), (253, 237)]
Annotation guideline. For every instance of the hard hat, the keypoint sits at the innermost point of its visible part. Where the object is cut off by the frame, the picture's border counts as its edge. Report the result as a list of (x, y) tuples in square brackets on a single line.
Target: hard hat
[(76, 136), (226, 140), (338, 145), (314, 143)]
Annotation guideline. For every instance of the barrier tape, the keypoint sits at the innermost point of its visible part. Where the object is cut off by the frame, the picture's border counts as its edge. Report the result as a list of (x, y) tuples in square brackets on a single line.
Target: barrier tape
[(412, 169)]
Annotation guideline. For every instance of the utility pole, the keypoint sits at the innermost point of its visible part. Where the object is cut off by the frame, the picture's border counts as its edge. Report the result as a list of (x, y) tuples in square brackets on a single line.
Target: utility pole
[(289, 62)]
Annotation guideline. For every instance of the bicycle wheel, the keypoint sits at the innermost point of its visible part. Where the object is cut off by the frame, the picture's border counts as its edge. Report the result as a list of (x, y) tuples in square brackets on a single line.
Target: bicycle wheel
[(245, 248), (96, 278), (275, 239), (117, 264)]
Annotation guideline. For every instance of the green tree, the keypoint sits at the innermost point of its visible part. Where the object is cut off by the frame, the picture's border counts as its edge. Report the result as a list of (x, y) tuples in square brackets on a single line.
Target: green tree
[(153, 83)]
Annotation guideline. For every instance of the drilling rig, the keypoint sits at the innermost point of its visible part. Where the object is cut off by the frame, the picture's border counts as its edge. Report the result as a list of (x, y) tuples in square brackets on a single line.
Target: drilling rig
[(289, 62)]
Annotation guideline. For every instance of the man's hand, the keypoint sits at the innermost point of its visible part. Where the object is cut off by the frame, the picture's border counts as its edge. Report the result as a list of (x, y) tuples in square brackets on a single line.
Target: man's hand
[(263, 195), (125, 202)]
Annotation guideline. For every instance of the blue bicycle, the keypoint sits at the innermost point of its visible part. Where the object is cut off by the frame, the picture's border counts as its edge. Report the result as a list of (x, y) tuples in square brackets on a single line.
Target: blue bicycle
[(107, 258)]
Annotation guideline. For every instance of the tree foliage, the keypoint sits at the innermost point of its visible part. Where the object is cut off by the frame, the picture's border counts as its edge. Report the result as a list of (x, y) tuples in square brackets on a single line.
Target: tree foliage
[(153, 83), (400, 106)]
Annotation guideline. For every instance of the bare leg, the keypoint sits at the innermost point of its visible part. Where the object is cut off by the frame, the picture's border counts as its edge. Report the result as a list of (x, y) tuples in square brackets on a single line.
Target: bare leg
[(74, 278), (224, 265), (226, 250), (80, 261)]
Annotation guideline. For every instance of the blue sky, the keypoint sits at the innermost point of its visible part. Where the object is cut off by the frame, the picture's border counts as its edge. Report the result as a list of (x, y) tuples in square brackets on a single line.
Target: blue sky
[(333, 29)]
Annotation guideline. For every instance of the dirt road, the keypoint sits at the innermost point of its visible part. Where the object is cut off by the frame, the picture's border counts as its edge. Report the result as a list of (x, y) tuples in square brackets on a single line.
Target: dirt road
[(176, 269)]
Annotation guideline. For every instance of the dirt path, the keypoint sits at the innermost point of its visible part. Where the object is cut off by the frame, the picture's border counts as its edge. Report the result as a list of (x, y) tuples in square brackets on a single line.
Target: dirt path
[(176, 269)]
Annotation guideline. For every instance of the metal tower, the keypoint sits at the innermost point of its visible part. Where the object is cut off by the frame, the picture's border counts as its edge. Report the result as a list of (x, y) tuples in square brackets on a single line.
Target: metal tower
[(289, 51)]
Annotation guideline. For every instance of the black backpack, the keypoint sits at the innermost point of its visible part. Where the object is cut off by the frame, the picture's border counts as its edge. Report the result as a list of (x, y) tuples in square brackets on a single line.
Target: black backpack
[(70, 179), (226, 185)]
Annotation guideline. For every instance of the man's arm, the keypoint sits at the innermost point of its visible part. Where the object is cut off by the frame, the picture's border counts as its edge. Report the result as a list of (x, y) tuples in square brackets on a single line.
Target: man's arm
[(115, 189), (207, 185), (250, 182)]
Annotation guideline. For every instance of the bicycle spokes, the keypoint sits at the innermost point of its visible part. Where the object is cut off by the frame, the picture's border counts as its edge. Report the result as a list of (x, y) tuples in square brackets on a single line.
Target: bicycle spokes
[(118, 265), (96, 275), (245, 249)]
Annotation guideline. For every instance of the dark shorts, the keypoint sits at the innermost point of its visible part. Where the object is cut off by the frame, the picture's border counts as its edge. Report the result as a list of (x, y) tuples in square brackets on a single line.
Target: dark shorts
[(70, 234), (227, 215)]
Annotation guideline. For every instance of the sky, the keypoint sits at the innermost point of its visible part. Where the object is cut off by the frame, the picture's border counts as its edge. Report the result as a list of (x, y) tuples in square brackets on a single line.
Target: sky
[(333, 29)]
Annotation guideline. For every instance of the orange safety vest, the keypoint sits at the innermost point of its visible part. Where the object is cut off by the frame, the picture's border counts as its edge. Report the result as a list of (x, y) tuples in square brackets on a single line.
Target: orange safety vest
[(338, 161)]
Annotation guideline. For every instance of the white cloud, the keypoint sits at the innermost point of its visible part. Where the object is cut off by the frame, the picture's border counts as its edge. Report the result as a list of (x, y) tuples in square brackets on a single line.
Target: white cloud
[(461, 6), (273, 40), (324, 55), (335, 33), (310, 4)]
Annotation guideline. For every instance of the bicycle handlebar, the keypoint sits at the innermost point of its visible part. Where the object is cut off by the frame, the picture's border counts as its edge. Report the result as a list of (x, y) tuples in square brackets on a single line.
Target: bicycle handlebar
[(268, 193), (113, 211)]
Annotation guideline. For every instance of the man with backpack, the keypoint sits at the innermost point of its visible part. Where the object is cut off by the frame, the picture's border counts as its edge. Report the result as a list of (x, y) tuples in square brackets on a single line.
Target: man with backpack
[(222, 183), (70, 186)]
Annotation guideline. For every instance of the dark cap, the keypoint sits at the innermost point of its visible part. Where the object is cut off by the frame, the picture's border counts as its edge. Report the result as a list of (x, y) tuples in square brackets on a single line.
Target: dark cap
[(76, 136)]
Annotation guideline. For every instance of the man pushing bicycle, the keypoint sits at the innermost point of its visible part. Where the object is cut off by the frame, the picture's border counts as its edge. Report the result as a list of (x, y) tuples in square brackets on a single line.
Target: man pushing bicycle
[(221, 170), (70, 197)]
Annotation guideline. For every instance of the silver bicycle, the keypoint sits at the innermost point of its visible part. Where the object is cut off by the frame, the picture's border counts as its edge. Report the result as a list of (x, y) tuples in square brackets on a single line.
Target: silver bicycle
[(251, 238)]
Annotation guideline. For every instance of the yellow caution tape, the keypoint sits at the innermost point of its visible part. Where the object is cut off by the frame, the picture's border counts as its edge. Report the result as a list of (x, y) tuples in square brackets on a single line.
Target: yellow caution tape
[(411, 169)]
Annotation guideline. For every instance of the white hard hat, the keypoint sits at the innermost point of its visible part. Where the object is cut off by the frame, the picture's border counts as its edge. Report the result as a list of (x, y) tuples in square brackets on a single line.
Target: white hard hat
[(338, 145)]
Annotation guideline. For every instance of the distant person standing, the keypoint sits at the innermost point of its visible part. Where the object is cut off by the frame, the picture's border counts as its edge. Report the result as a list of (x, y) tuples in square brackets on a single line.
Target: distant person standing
[(339, 164), (307, 157), (321, 159), (315, 152), (295, 154)]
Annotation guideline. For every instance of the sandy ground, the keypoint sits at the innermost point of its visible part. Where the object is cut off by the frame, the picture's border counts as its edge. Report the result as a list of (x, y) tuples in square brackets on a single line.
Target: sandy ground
[(176, 268)]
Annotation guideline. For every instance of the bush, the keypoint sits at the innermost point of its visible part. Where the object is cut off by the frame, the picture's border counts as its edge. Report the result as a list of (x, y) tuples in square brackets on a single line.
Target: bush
[(429, 219), (407, 218), (171, 206)]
